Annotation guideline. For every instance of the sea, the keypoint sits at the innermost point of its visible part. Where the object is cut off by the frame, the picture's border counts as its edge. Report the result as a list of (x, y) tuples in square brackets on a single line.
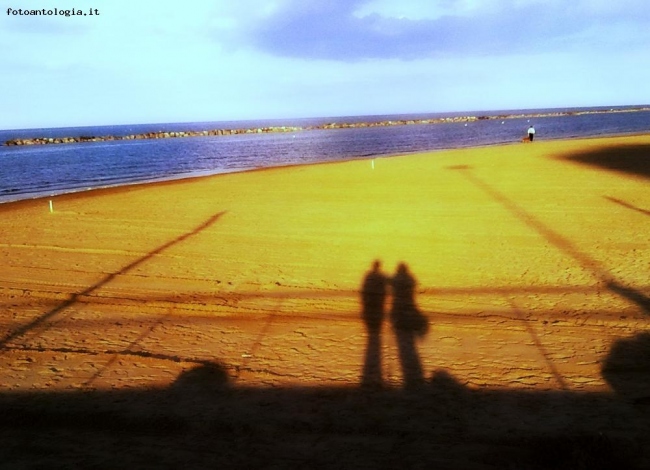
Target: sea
[(47, 170)]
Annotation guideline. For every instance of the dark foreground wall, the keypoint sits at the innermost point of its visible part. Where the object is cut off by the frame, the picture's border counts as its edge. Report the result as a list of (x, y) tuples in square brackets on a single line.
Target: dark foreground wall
[(203, 421)]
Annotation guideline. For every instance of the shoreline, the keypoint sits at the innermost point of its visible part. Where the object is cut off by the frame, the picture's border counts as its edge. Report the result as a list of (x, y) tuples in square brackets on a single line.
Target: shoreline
[(33, 196)]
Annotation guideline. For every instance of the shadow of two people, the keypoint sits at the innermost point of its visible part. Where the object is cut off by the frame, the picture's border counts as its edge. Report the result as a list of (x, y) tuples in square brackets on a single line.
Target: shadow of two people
[(407, 322)]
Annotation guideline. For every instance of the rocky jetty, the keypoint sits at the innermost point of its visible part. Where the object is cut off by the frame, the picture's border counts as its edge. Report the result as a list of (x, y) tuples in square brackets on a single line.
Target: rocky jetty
[(148, 135), (277, 129)]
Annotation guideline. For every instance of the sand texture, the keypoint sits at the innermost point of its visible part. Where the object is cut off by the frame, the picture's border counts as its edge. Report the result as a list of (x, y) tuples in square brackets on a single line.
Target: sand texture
[(235, 322)]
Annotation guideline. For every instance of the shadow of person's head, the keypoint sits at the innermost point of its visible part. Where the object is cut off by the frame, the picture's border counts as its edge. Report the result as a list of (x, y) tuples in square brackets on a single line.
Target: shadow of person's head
[(403, 281), (373, 295), (206, 378), (627, 367), (402, 270)]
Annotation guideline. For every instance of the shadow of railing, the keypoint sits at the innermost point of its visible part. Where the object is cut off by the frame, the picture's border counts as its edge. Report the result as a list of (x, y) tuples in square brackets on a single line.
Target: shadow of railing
[(597, 269), (627, 205), (74, 298)]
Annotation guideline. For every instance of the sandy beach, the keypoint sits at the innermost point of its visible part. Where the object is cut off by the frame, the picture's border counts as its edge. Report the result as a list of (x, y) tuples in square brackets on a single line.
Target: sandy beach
[(220, 320)]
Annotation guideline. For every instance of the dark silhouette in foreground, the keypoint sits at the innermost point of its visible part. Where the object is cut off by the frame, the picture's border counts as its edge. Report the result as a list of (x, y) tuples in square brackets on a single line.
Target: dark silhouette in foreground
[(373, 298), (628, 360), (204, 419), (409, 324)]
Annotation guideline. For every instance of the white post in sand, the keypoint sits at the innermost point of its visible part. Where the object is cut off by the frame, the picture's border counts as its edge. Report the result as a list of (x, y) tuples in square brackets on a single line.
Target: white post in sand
[(373, 163), (51, 207)]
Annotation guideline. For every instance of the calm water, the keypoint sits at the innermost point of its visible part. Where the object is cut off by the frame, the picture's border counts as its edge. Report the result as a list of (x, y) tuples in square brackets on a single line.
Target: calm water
[(44, 170)]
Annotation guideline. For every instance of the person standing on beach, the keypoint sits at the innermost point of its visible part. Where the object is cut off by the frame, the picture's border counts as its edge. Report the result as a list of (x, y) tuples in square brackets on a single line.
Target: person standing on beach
[(531, 133)]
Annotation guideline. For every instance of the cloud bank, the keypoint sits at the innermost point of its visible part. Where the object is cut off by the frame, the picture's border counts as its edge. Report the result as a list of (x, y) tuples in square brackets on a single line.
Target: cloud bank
[(352, 30)]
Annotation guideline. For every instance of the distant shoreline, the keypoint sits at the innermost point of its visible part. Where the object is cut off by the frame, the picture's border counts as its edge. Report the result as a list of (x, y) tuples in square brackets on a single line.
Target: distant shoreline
[(327, 126)]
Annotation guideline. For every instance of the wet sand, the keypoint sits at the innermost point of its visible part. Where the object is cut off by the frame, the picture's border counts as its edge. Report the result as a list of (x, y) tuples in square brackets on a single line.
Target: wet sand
[(220, 320)]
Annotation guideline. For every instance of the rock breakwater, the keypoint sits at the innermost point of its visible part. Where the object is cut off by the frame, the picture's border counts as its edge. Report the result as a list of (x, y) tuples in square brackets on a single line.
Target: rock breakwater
[(279, 129)]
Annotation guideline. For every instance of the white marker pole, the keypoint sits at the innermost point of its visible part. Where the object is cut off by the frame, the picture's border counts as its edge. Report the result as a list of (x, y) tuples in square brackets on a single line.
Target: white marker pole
[(373, 163), (51, 207)]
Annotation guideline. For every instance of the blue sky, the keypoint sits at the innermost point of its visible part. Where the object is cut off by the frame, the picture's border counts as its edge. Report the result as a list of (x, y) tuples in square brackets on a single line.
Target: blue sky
[(209, 60)]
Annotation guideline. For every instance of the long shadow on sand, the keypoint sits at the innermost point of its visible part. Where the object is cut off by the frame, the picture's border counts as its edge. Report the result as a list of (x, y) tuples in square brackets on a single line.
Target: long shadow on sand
[(562, 243), (47, 316), (204, 421), (408, 324)]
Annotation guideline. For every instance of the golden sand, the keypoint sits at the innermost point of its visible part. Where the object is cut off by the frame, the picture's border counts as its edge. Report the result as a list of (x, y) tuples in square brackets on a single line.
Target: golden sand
[(217, 322), (515, 250)]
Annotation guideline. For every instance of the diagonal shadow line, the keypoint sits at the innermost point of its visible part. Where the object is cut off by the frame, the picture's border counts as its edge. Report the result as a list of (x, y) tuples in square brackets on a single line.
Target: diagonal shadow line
[(540, 347), (627, 205), (114, 352), (128, 349), (75, 297), (562, 244), (257, 343)]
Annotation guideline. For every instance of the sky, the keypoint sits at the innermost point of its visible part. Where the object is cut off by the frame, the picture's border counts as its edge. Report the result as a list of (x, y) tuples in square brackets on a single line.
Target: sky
[(213, 60)]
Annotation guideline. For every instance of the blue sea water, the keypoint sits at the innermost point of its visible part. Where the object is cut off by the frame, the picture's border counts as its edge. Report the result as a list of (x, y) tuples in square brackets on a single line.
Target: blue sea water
[(46, 170)]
